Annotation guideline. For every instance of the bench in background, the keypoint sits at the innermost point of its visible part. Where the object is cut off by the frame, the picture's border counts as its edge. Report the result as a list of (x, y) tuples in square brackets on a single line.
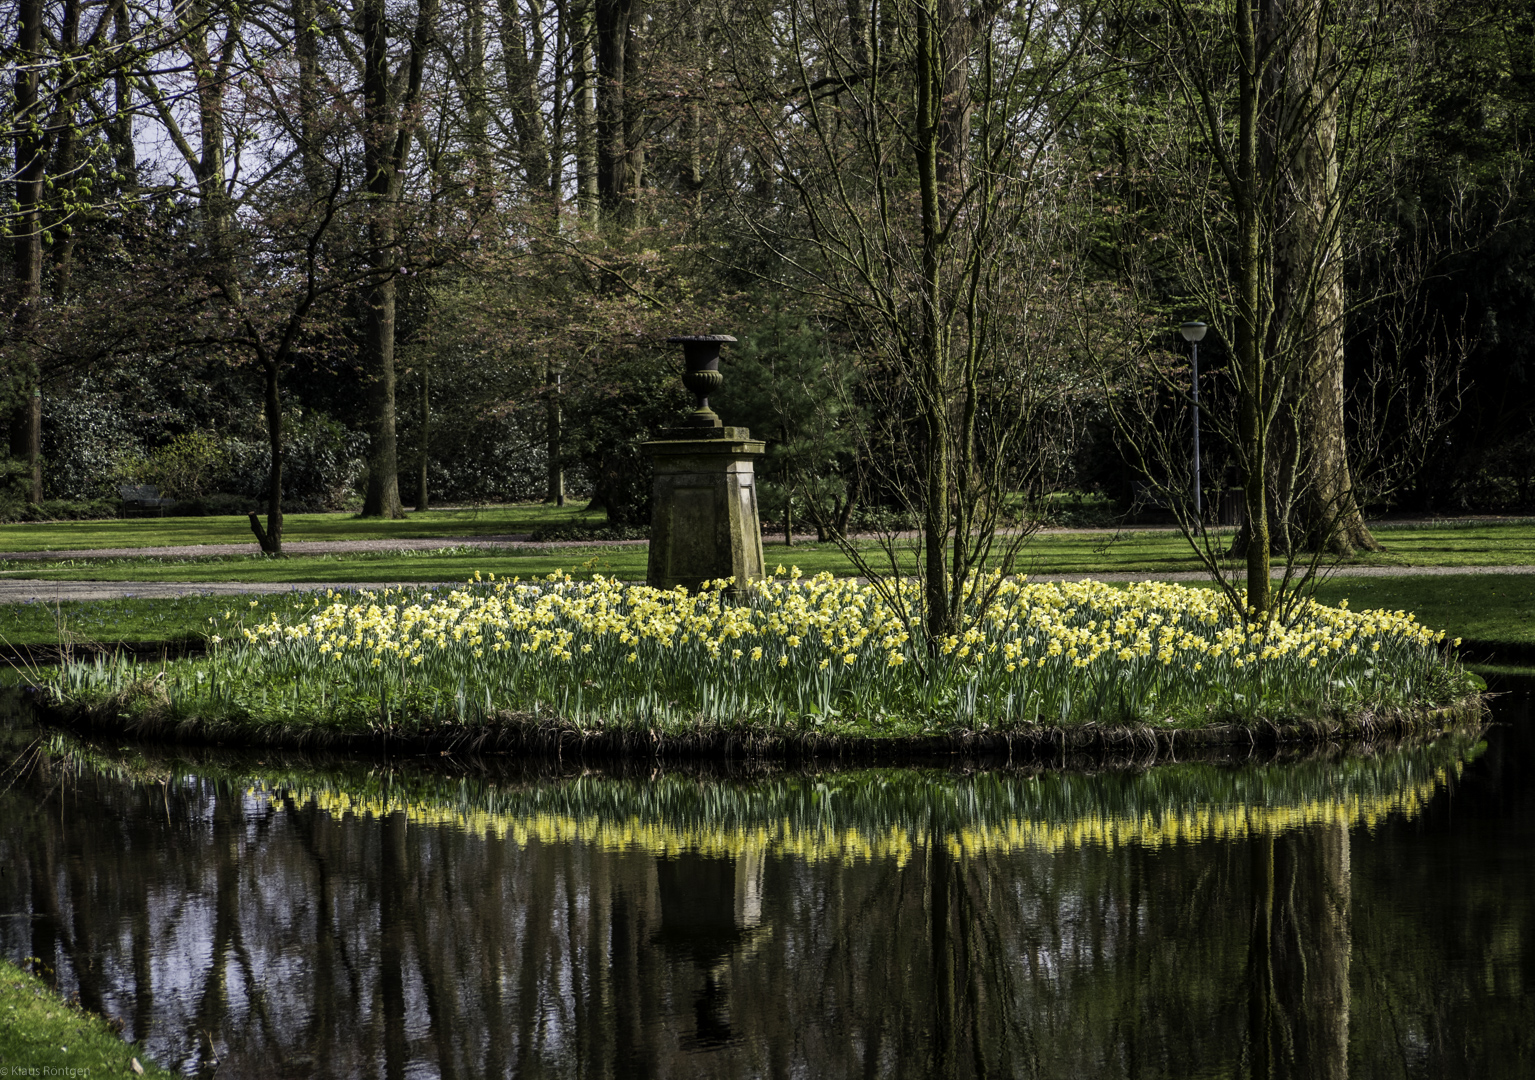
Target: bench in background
[(143, 500)]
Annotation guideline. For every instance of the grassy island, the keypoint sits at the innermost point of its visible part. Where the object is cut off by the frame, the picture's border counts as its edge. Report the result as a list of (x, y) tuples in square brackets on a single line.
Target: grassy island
[(41, 1034), (791, 663)]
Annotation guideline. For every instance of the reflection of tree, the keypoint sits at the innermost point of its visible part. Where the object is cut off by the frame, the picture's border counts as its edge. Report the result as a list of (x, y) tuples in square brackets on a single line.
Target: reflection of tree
[(392, 868), (405, 942), (1299, 955)]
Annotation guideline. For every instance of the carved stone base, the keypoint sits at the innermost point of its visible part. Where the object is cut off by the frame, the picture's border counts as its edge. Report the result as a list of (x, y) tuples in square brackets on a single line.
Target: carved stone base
[(705, 524)]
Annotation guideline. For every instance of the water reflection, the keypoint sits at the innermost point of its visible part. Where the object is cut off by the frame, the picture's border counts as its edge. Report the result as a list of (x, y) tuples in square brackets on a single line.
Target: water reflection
[(1183, 920)]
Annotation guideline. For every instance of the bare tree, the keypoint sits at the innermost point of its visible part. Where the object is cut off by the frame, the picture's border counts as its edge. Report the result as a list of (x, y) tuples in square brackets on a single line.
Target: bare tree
[(1253, 157), (913, 148)]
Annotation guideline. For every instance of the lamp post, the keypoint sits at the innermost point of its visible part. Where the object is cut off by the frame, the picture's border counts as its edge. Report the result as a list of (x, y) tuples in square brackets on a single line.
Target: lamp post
[(1193, 333)]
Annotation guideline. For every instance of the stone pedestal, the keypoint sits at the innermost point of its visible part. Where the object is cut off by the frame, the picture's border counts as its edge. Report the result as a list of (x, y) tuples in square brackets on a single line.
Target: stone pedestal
[(705, 524)]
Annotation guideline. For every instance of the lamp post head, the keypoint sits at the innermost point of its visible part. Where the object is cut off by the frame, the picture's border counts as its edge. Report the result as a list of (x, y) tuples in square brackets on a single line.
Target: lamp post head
[(1193, 331), (701, 373)]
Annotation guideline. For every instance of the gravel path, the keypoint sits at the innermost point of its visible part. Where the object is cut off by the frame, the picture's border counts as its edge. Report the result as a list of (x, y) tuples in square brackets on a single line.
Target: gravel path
[(19, 591)]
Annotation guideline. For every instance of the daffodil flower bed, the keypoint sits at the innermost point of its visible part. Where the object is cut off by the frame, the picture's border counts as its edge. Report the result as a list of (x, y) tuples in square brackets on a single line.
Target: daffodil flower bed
[(787, 654)]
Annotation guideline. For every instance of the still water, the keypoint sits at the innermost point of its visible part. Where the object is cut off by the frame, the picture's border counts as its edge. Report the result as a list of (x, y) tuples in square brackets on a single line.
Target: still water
[(1335, 915)]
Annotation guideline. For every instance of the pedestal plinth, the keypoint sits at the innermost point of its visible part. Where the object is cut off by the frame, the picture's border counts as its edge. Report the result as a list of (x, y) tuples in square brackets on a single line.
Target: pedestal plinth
[(705, 524)]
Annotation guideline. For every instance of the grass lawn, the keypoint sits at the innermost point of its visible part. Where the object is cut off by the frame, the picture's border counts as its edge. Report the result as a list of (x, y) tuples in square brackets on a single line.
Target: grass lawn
[(131, 620), (1496, 609), (1483, 608), (1073, 553), (1406, 546), (42, 1035), (1103, 551), (430, 566), (176, 531)]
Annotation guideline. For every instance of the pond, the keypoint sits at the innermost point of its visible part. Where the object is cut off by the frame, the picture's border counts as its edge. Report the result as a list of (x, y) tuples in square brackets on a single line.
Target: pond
[(1329, 914)]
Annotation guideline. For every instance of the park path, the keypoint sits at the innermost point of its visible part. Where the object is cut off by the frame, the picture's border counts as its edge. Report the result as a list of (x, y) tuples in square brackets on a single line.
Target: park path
[(24, 590)]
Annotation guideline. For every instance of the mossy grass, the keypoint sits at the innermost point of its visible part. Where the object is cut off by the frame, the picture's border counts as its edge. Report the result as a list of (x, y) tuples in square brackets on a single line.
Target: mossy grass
[(798, 662), (41, 1034)]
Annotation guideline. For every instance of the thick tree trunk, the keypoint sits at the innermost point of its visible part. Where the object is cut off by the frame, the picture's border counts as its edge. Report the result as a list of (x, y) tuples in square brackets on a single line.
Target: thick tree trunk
[(270, 538), (387, 136), (27, 246), (382, 498), (1311, 274), (65, 157), (209, 166), (477, 107), (1308, 489), (956, 36), (620, 150), (27, 441)]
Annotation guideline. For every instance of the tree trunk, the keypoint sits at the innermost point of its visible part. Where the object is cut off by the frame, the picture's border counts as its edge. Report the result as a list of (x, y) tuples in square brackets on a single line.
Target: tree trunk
[(555, 437), (27, 246), (620, 153), (382, 498), (477, 107), (522, 56), (932, 364), (956, 36), (422, 501), (65, 155), (120, 127), (387, 136), (1310, 273), (270, 538), (1253, 413), (588, 198), (306, 48), (27, 441), (208, 166)]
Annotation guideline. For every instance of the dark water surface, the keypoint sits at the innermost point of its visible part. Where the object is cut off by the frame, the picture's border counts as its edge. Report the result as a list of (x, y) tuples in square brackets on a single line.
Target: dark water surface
[(1338, 915)]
